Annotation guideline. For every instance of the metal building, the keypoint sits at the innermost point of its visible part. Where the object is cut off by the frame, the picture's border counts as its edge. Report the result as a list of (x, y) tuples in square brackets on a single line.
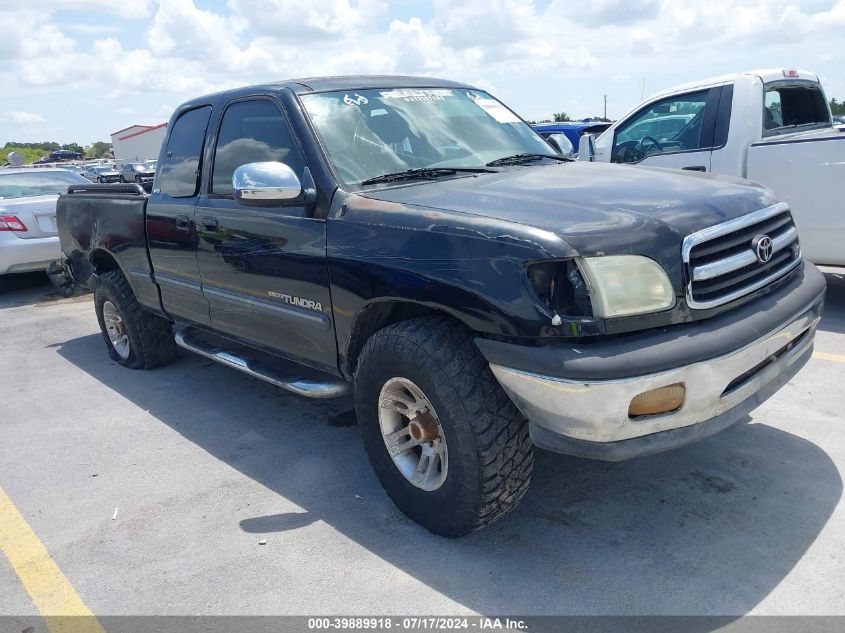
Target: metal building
[(138, 142)]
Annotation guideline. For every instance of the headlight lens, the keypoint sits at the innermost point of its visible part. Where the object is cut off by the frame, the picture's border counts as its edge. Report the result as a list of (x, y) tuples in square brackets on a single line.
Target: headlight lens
[(622, 285)]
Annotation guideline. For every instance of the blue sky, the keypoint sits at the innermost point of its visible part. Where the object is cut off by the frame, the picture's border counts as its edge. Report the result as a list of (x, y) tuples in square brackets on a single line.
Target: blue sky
[(77, 70)]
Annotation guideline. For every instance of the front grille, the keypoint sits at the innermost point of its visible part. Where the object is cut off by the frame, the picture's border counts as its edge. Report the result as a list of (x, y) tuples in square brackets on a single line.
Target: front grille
[(722, 262)]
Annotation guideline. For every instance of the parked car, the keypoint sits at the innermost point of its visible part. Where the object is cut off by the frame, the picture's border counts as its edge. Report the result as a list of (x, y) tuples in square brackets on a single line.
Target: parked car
[(573, 130), (415, 243), (138, 172), (65, 154), (93, 172), (28, 237), (770, 126), (839, 120), (89, 171), (101, 173)]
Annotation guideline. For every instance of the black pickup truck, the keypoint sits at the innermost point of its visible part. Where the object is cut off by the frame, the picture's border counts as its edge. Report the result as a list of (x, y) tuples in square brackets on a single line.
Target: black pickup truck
[(416, 243)]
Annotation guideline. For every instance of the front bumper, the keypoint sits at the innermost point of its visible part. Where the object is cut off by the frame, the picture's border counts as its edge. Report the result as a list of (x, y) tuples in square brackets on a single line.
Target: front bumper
[(589, 417)]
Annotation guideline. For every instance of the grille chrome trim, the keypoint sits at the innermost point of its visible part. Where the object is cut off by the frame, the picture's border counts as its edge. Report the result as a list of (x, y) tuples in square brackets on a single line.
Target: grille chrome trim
[(727, 265), (735, 262)]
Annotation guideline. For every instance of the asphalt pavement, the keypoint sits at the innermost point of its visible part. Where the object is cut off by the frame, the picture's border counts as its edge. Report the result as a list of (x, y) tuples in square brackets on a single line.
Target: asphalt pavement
[(194, 489)]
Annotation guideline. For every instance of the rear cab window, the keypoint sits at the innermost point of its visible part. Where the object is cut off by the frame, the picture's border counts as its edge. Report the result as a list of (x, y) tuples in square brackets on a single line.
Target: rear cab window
[(180, 169), (792, 106)]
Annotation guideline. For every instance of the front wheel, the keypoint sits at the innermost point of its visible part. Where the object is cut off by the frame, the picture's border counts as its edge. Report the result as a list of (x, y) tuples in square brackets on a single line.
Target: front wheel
[(448, 446), (134, 337)]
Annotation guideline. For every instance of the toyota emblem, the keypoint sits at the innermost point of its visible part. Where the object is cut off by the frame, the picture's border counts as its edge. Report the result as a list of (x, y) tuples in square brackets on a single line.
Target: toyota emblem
[(762, 246)]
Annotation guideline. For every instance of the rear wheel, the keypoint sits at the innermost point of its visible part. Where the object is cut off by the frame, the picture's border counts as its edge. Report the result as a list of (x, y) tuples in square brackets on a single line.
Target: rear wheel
[(447, 444), (134, 337)]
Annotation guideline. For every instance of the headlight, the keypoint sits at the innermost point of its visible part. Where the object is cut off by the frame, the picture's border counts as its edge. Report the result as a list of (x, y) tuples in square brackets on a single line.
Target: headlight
[(621, 285), (559, 287)]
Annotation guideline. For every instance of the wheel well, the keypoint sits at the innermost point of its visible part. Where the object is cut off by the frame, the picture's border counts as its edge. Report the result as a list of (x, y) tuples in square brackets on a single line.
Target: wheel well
[(103, 262), (377, 316)]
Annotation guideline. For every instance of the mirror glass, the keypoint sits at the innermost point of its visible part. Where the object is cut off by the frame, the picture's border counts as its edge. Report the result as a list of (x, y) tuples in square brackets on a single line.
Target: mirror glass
[(562, 143)]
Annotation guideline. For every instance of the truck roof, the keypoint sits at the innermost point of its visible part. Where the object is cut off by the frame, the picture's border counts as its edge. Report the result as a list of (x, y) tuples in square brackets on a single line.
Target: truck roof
[(307, 85), (766, 75)]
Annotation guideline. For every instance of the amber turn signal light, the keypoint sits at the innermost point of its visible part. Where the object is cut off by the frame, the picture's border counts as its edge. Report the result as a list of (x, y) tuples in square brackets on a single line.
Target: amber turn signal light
[(656, 401)]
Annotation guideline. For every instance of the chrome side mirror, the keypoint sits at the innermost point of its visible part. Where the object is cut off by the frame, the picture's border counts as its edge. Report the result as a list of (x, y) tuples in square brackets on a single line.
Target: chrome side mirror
[(562, 144), (587, 147), (265, 182)]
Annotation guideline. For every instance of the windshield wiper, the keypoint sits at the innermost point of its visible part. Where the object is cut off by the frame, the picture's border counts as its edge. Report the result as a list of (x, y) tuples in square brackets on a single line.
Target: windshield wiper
[(424, 173), (520, 159)]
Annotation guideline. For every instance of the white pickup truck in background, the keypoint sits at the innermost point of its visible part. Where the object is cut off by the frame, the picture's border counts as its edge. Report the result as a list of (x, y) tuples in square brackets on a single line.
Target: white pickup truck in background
[(770, 126)]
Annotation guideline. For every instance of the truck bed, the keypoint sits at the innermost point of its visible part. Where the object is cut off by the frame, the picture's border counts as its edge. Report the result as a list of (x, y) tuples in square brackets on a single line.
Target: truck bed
[(102, 227), (806, 171)]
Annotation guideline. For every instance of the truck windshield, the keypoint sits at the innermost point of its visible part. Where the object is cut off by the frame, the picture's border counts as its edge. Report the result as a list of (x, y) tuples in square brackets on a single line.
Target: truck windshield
[(37, 183), (790, 106), (369, 133)]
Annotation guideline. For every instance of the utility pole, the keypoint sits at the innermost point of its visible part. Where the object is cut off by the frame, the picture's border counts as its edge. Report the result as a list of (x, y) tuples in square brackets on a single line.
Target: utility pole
[(642, 96), (605, 106)]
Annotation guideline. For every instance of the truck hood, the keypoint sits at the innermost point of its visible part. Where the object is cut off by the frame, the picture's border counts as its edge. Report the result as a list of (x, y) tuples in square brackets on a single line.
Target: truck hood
[(596, 208)]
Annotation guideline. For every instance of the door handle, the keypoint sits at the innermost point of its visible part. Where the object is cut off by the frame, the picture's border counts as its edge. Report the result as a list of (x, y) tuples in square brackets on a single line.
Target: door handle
[(183, 223), (210, 224), (695, 168)]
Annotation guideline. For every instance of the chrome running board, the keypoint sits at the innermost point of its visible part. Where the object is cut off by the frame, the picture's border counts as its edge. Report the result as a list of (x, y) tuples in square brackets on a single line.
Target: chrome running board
[(308, 387)]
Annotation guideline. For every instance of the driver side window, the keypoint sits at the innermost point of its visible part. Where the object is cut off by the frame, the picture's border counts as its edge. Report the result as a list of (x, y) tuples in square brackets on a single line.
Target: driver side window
[(673, 124), (251, 132)]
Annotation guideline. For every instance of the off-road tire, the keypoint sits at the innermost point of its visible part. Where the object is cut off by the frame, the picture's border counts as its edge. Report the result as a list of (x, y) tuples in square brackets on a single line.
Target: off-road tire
[(490, 455), (151, 342)]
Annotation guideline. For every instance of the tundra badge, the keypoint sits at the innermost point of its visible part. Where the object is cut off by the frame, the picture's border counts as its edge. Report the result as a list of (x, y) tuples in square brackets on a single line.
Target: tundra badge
[(297, 301)]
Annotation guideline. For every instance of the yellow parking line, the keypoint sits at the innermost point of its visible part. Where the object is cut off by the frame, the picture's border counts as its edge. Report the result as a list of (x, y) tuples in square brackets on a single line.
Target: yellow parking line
[(825, 356), (56, 600)]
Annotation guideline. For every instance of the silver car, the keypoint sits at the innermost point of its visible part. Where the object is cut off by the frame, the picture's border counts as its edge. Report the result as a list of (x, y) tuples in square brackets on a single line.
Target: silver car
[(28, 236), (138, 172), (101, 173)]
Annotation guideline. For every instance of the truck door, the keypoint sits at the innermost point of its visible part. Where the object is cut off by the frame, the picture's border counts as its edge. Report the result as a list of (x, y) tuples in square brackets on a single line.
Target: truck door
[(263, 268), (171, 232), (675, 132)]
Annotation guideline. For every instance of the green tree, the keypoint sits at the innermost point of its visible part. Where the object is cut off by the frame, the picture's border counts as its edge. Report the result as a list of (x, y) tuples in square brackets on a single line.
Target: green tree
[(100, 149), (836, 107), (30, 154), (560, 117), (73, 147), (48, 146)]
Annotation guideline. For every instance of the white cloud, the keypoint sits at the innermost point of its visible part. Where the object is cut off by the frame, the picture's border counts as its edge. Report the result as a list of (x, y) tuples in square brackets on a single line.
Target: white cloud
[(316, 19), (538, 57), (21, 118), (418, 46), (642, 41), (610, 12), (484, 23), (92, 29), (128, 10)]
